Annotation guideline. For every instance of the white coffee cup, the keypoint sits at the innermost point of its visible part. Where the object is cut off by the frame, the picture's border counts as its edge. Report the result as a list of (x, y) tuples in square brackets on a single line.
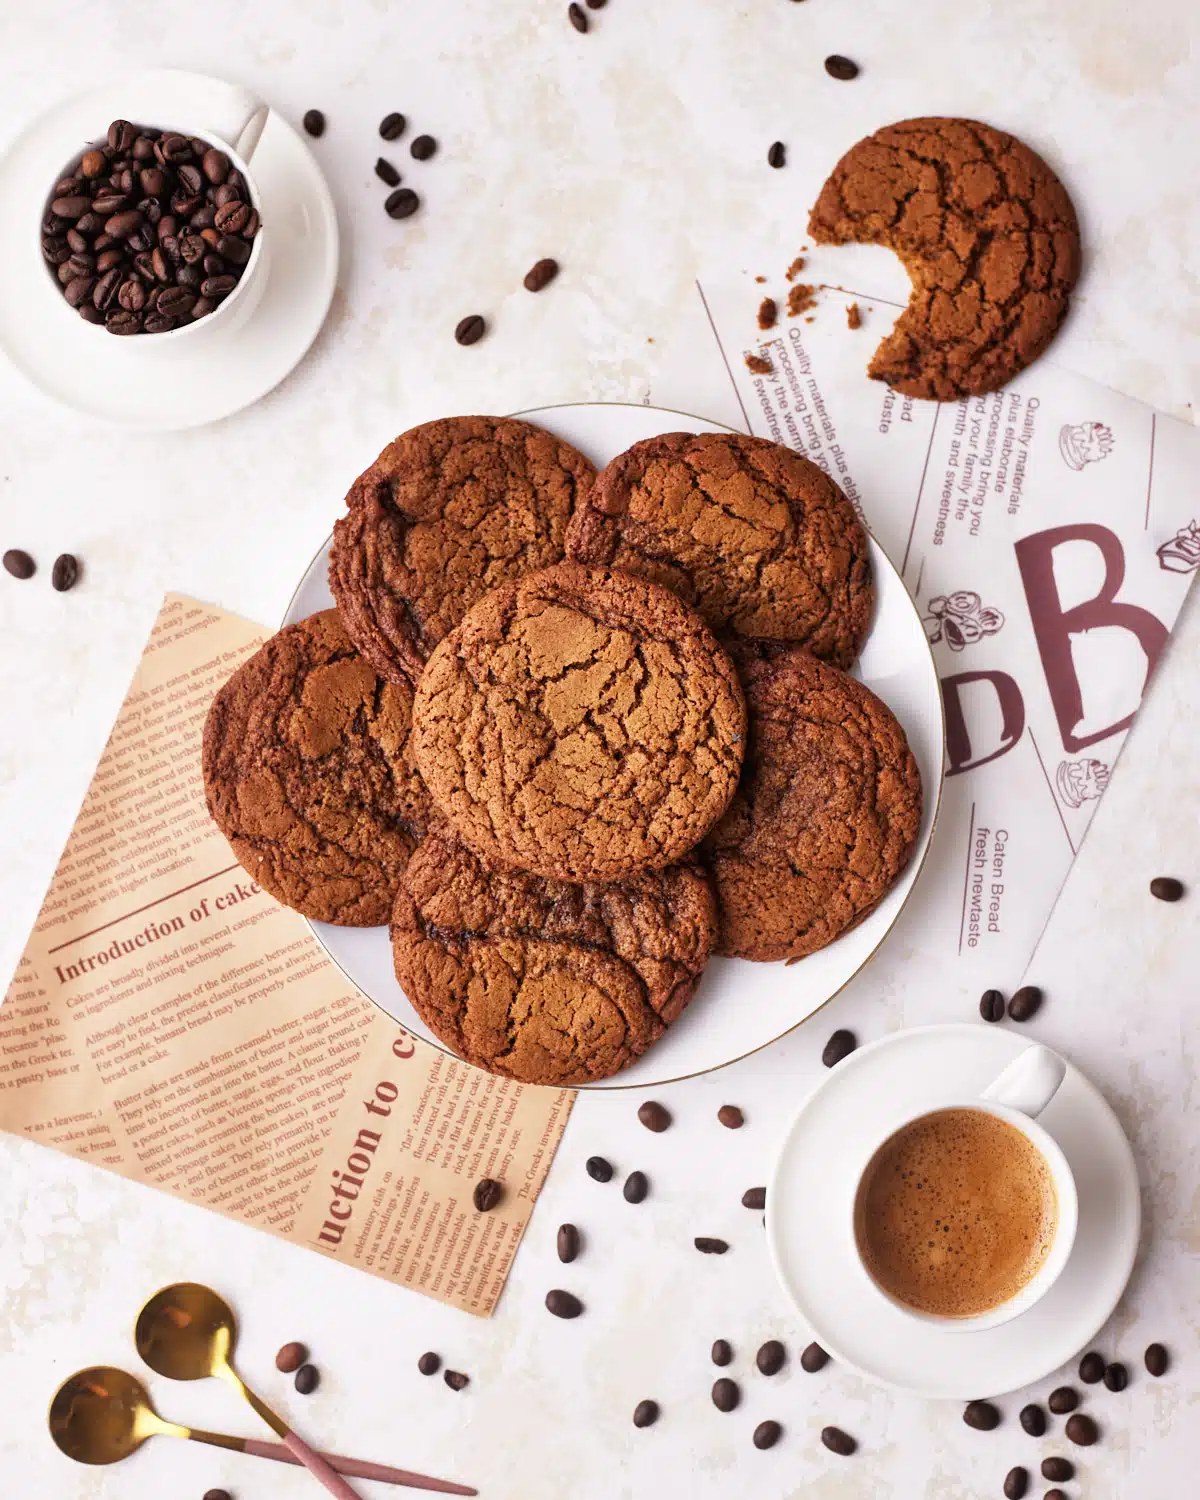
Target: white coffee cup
[(1017, 1096)]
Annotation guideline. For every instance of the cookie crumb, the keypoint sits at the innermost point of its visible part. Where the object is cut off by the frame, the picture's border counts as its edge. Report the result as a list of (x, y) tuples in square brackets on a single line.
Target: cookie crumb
[(853, 316), (757, 365), (801, 297), (795, 268), (761, 280), (768, 312)]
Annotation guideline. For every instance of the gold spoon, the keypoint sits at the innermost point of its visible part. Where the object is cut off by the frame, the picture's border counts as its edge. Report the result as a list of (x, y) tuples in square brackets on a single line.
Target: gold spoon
[(102, 1415)]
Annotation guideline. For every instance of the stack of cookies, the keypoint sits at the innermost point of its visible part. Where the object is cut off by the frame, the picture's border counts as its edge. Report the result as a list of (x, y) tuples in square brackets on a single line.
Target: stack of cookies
[(572, 733)]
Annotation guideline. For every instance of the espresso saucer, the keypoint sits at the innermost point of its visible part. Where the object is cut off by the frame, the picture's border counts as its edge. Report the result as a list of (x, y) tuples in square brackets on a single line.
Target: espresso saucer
[(809, 1204), (175, 383)]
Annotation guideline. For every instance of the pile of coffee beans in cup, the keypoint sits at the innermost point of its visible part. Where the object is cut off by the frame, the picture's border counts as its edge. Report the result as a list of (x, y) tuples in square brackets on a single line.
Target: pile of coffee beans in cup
[(149, 231)]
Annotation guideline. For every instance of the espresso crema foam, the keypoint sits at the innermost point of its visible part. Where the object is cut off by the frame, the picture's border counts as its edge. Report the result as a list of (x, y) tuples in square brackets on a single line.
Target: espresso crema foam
[(956, 1213)]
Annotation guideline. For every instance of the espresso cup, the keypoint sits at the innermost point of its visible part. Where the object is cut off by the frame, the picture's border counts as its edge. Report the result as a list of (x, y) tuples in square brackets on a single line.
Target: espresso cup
[(1016, 1097)]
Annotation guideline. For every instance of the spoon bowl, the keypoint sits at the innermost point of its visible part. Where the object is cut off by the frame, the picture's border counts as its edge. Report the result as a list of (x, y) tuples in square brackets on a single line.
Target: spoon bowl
[(186, 1332), (102, 1415)]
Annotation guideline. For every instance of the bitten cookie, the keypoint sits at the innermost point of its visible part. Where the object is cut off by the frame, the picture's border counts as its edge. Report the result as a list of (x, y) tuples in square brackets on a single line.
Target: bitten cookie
[(581, 724), (308, 774), (541, 980), (445, 513), (825, 817), (752, 535), (987, 234)]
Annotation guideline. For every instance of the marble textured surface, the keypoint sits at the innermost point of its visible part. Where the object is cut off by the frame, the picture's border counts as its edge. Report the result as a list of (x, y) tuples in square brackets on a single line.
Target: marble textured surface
[(635, 155)]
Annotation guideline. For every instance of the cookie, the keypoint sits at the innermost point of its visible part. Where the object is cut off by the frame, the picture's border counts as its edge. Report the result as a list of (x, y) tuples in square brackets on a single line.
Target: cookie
[(308, 774), (445, 513), (544, 981), (581, 724), (987, 234), (825, 817), (753, 536)]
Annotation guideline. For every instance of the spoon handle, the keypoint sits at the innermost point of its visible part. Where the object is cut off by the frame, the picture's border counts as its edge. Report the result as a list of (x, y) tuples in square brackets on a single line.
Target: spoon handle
[(319, 1467), (359, 1468)]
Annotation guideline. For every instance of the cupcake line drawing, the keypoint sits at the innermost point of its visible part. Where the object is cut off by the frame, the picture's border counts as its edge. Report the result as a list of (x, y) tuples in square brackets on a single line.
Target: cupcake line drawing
[(1182, 553), (1083, 443), (1081, 781), (960, 619)]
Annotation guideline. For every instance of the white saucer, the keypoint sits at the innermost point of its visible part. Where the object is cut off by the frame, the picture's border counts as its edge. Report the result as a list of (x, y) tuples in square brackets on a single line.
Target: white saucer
[(809, 1202), (180, 382)]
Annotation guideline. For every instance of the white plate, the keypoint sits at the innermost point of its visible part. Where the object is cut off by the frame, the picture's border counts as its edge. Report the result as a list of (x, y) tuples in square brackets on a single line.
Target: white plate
[(179, 382), (809, 1213), (739, 1006)]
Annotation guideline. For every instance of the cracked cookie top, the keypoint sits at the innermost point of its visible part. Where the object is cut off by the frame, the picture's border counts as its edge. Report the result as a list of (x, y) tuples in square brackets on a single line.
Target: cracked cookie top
[(758, 540), (541, 980), (987, 234), (308, 774), (581, 724), (448, 511), (826, 815)]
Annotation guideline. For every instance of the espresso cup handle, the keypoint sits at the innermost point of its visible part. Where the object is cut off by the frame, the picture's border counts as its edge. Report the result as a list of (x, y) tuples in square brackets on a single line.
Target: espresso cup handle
[(238, 122), (1029, 1082)]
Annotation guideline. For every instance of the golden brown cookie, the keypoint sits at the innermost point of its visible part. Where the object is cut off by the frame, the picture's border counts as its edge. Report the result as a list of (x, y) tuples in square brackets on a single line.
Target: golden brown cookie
[(581, 724), (753, 536), (448, 511), (541, 980), (825, 817), (987, 235), (308, 774)]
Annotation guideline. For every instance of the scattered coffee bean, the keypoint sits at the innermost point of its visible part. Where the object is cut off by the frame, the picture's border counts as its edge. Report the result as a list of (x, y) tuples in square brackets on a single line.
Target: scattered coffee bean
[(755, 1198), (645, 1414), (813, 1359), (1059, 1470), (1033, 1419), (636, 1187), (841, 1044), (391, 127), (488, 1192), (290, 1358), (402, 204), (1025, 1004), (654, 1116), (732, 1118), (1091, 1368), (981, 1415), (308, 1378), (563, 1304), (568, 1243), (456, 1380), (770, 1357), (991, 1005), (577, 17), (722, 1353), (1016, 1484), (541, 274), (470, 329), (217, 1495), (838, 1441), (1166, 888), (767, 1434), (598, 1169), (1062, 1400), (1055, 1494), (19, 563), (777, 154), (1156, 1359), (841, 68), (423, 147), (596, 4), (1082, 1430), (429, 1363), (725, 1394), (1116, 1376), (65, 573), (314, 122), (386, 172), (708, 1246)]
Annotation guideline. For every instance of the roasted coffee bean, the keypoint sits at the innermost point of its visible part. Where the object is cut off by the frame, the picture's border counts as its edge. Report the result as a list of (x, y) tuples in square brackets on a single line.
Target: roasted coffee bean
[(153, 180), (540, 275), (55, 250), (1062, 1400), (636, 1187), (19, 563), (1033, 1419), (121, 136), (124, 181), (191, 179), (210, 237), (488, 1193), (1116, 1376), (175, 148), (218, 286), (104, 293), (78, 290), (423, 147), (92, 164), (1082, 1430), (291, 1357), (89, 313), (645, 1414), (191, 248), (183, 203), (725, 1394), (204, 217), (1025, 1004), (777, 154), (766, 1434), (90, 224), (731, 1117), (709, 1246), (386, 172), (456, 1380), (1016, 1484), (402, 204), (65, 273), (231, 217), (82, 264), (1055, 1494), (150, 210), (103, 242), (392, 126), (567, 1243), (167, 228), (226, 193), (429, 1363), (596, 4), (108, 259), (770, 1358), (813, 1359), (215, 166), (1058, 1470), (841, 1044), (991, 1005), (755, 1198), (175, 302), (654, 1116), (308, 1377), (142, 264), (66, 186), (1156, 1359), (235, 249), (155, 322), (841, 68), (314, 123), (1091, 1368), (141, 239), (132, 295), (202, 307), (563, 1304), (981, 1415), (213, 264), (1166, 888), (122, 225), (142, 149), (838, 1441), (577, 16), (251, 228), (722, 1354), (598, 1169), (78, 243), (163, 257), (73, 207), (217, 1495)]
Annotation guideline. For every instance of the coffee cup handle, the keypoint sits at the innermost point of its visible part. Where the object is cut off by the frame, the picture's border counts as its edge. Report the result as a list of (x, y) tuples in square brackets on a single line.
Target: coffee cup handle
[(238, 121), (1029, 1082)]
